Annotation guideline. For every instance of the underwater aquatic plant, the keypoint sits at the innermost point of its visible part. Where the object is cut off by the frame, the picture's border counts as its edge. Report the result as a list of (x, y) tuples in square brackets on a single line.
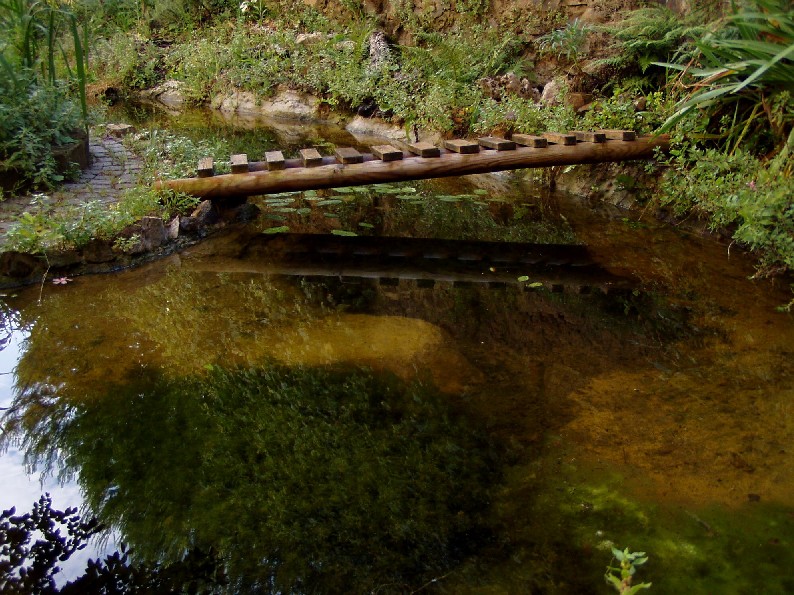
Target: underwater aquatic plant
[(621, 576)]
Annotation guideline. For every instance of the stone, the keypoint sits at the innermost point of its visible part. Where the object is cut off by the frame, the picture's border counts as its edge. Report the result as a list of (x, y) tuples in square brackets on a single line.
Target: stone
[(19, 265), (245, 213), (168, 93), (119, 130), (172, 231), (578, 100), (552, 92), (98, 251), (204, 214)]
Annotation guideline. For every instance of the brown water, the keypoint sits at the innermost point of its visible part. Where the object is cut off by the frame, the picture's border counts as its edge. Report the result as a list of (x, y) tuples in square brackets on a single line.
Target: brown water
[(658, 418)]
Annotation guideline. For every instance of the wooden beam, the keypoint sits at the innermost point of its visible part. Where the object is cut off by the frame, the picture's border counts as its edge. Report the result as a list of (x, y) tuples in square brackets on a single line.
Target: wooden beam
[(590, 137), (239, 163), (387, 153), (465, 147), (560, 138), (496, 143), (206, 168), (372, 171), (425, 150), (275, 160), (348, 155), (530, 140), (619, 134), (311, 157)]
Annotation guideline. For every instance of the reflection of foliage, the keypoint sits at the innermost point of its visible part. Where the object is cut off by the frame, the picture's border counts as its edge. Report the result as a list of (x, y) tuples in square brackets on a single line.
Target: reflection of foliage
[(309, 480), (32, 568)]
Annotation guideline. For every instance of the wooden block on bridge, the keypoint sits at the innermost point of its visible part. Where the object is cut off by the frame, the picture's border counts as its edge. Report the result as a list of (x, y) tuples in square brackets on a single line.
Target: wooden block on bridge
[(530, 140), (348, 155), (387, 153), (619, 134), (275, 160), (465, 147), (311, 157), (560, 138), (239, 163), (500, 144), (425, 150), (590, 137), (206, 167)]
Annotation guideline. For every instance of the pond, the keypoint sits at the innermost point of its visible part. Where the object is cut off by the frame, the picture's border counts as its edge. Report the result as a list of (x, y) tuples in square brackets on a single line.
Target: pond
[(460, 386)]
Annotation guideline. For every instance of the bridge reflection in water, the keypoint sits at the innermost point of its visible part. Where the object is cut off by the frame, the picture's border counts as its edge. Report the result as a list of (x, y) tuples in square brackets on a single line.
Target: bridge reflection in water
[(555, 267)]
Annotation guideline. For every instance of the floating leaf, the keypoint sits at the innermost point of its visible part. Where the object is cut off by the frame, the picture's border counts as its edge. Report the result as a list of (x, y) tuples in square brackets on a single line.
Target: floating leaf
[(281, 229), (304, 211), (275, 217), (309, 194), (286, 210), (535, 284), (406, 196), (367, 225), (342, 232), (331, 215), (480, 191), (449, 198), (331, 201), (344, 190), (523, 278)]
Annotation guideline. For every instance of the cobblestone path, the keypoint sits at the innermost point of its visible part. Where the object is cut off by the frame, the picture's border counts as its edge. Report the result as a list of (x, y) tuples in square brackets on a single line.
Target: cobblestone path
[(113, 169)]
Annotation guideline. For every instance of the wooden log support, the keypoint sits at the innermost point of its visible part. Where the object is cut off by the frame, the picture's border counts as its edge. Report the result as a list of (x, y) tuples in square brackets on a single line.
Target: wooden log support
[(560, 138), (206, 168), (239, 163), (311, 157), (530, 140), (373, 171), (387, 153), (348, 155), (590, 137), (425, 150), (275, 160), (464, 147), (499, 144), (627, 135)]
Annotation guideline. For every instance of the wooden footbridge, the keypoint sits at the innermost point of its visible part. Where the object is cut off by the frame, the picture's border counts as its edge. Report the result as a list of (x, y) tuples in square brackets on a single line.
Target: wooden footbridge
[(386, 163)]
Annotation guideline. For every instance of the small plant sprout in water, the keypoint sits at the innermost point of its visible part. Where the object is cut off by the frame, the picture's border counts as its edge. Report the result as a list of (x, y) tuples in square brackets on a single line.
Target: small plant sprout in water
[(621, 576)]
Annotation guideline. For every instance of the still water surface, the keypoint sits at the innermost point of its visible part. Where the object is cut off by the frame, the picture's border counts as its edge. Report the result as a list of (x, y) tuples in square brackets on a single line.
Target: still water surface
[(320, 414)]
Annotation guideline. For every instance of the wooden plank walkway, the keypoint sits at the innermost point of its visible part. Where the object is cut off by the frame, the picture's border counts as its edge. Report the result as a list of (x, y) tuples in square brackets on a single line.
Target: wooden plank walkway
[(348, 167)]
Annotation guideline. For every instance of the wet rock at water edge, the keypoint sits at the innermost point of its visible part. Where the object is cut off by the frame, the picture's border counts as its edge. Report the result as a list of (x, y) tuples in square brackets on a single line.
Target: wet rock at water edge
[(19, 265), (205, 214), (97, 251)]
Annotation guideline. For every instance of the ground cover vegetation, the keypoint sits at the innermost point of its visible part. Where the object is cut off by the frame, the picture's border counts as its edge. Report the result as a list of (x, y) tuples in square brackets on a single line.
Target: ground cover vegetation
[(719, 80)]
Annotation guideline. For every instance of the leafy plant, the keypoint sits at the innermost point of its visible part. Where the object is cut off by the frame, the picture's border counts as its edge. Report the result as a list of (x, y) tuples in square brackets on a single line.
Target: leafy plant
[(738, 70), (621, 577), (567, 42)]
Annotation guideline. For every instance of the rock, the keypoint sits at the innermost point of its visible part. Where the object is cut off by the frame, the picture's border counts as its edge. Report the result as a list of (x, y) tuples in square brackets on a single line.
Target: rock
[(577, 100), (119, 130), (307, 38), (19, 265), (98, 251), (238, 102), (173, 229), (153, 233), (188, 225), (168, 93), (204, 214), (552, 92), (291, 105), (65, 258), (512, 83), (367, 127), (244, 213)]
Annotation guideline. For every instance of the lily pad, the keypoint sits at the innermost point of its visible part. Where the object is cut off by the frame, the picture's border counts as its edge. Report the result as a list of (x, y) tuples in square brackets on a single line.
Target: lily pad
[(342, 232), (281, 229)]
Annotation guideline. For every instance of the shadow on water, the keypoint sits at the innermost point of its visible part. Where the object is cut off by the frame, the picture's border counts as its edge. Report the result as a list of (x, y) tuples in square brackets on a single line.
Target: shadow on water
[(387, 421)]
